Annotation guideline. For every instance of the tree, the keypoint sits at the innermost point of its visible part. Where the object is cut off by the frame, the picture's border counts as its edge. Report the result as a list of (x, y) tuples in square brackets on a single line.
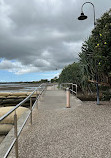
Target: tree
[(55, 79), (71, 74), (96, 51)]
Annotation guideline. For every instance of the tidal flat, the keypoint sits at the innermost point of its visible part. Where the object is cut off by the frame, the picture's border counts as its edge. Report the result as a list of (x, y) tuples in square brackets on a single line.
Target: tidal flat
[(13, 93), (17, 87)]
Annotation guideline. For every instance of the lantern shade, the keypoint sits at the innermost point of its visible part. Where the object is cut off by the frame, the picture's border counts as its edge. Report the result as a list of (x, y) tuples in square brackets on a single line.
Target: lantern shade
[(82, 17)]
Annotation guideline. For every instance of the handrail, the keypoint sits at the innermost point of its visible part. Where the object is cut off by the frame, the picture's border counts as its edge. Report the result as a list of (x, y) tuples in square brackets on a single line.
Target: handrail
[(18, 105), (17, 133), (72, 85)]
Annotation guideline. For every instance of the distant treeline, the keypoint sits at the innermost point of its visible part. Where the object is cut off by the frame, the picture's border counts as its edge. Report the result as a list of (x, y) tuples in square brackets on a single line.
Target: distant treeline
[(55, 79)]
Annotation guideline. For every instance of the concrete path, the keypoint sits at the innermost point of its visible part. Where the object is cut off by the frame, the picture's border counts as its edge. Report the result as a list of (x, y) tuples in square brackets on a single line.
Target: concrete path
[(82, 131)]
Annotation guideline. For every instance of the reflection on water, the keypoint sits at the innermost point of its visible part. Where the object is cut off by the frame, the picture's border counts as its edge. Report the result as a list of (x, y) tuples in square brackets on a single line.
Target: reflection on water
[(17, 87)]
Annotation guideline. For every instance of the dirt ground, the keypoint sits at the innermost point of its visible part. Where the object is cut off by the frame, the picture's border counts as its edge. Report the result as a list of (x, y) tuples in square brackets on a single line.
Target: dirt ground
[(102, 103)]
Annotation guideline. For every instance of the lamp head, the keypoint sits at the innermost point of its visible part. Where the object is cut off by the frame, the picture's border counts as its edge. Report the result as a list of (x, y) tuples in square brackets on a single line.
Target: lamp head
[(82, 16)]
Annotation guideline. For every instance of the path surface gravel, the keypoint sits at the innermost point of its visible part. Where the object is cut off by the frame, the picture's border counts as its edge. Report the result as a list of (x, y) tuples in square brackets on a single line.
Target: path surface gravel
[(82, 131)]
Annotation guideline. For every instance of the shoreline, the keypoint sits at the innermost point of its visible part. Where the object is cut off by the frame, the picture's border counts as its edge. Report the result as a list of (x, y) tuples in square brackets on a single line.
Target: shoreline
[(12, 99), (17, 87)]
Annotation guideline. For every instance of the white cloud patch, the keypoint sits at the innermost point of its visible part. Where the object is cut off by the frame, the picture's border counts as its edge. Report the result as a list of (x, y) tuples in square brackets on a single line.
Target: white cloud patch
[(16, 67)]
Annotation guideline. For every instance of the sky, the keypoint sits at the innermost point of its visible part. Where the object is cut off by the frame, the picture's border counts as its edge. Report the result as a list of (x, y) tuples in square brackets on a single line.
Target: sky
[(38, 38)]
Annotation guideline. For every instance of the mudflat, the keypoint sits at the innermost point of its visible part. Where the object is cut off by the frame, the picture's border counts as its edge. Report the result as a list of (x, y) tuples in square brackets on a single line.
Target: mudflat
[(11, 87)]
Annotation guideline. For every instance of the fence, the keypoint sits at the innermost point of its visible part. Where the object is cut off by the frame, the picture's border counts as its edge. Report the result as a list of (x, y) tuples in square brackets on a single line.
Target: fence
[(41, 88), (70, 86)]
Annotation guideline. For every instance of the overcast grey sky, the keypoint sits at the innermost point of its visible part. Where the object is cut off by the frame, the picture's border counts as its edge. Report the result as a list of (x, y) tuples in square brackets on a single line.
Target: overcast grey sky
[(42, 35)]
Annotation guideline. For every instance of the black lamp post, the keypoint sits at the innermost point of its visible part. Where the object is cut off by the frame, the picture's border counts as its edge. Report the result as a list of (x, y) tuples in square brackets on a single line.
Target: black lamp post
[(83, 17)]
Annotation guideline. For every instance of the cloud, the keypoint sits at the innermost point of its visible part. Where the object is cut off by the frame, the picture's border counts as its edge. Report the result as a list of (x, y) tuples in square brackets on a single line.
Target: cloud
[(43, 35), (16, 67)]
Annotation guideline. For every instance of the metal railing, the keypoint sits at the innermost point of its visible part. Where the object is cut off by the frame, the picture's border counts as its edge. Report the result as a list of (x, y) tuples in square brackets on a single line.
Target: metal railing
[(41, 88), (70, 86)]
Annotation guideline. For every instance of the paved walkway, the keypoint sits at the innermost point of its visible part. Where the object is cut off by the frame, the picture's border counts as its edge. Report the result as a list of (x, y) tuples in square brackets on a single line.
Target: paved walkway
[(82, 131)]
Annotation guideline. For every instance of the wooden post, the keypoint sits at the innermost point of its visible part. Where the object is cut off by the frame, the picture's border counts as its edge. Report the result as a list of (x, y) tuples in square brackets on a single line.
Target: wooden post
[(16, 135), (67, 98)]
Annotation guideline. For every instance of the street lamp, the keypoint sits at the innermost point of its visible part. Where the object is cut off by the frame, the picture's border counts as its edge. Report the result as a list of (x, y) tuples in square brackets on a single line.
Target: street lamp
[(83, 17)]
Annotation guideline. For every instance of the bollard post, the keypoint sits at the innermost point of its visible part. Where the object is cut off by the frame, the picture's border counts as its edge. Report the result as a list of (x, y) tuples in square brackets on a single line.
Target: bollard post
[(31, 111), (16, 135), (67, 98)]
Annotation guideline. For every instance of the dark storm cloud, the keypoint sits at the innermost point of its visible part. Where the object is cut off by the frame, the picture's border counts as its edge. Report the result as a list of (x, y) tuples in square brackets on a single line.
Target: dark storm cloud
[(41, 35)]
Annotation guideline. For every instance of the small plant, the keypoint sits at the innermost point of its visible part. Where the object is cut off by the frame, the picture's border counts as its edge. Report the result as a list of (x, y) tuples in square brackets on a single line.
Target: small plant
[(106, 95)]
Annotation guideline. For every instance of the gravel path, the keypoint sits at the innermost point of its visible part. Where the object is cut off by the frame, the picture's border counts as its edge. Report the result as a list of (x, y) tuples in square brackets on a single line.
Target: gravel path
[(82, 131)]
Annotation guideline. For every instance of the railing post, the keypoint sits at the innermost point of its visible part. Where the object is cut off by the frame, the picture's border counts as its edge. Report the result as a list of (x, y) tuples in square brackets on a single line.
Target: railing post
[(31, 111), (36, 100), (16, 135), (37, 103), (36, 94), (67, 98), (76, 90), (72, 88)]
